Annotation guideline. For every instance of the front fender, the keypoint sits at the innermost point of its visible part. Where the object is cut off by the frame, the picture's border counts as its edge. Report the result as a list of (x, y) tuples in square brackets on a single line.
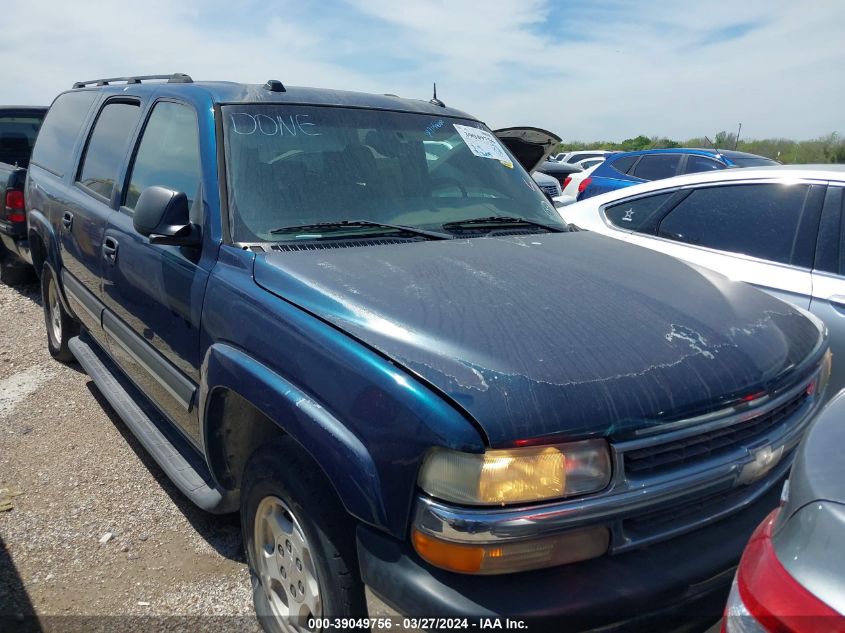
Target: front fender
[(343, 457)]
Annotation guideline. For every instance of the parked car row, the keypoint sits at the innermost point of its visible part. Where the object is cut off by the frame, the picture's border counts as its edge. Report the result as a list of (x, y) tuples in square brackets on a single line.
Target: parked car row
[(18, 129), (340, 315)]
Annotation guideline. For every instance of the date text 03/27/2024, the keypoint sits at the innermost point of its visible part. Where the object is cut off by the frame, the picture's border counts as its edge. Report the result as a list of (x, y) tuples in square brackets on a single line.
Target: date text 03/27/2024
[(386, 624)]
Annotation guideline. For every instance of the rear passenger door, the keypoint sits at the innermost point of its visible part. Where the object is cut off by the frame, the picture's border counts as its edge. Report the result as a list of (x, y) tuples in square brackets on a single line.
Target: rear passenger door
[(828, 302), (83, 214), (154, 293), (760, 233)]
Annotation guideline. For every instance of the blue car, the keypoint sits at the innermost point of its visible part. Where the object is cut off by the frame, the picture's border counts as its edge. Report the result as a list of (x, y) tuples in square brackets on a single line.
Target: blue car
[(633, 168)]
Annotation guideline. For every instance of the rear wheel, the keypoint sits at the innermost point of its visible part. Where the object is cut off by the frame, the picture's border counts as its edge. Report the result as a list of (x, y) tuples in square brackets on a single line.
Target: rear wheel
[(60, 326), (299, 541)]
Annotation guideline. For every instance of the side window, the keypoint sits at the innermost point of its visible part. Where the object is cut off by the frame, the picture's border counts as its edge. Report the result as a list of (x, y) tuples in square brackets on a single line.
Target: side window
[(657, 166), (106, 147), (624, 164), (168, 155), (697, 163), (758, 220), (638, 215), (54, 144)]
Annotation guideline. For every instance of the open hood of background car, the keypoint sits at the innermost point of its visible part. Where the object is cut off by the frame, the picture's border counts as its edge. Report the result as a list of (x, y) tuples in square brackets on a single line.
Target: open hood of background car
[(529, 145)]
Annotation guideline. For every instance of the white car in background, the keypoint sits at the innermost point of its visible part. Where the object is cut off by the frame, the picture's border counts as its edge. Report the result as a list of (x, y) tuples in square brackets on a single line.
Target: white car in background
[(574, 157), (570, 186), (586, 163), (778, 228)]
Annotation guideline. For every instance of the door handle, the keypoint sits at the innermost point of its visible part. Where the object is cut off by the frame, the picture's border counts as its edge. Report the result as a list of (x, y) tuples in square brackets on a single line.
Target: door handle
[(837, 301), (67, 220), (110, 249)]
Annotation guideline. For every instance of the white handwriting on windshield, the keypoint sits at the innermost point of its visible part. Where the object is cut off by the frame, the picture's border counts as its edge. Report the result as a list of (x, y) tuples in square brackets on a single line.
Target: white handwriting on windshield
[(279, 125)]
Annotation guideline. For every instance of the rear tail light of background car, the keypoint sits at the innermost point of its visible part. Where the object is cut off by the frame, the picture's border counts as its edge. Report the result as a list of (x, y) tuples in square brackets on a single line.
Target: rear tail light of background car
[(584, 184), (15, 206), (567, 181), (765, 598)]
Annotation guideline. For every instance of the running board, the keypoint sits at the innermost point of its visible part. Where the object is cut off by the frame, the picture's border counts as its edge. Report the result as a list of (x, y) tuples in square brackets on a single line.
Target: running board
[(182, 464)]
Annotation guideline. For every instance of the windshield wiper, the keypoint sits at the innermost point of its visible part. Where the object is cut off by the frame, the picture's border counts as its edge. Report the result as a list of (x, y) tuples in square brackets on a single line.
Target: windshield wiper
[(343, 225), (503, 220)]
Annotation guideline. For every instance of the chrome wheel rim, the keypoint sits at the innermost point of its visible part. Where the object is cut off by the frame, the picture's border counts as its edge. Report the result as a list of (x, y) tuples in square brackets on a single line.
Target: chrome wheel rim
[(284, 563), (54, 314)]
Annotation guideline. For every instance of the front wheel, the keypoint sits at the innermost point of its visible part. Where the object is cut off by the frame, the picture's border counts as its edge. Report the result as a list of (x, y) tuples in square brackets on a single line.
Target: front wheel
[(299, 541), (60, 325)]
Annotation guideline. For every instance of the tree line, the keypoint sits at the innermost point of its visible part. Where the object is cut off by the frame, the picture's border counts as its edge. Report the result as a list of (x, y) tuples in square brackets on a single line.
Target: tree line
[(825, 149)]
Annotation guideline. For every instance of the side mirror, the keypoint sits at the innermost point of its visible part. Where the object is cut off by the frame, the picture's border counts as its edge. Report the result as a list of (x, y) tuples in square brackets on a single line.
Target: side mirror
[(163, 215)]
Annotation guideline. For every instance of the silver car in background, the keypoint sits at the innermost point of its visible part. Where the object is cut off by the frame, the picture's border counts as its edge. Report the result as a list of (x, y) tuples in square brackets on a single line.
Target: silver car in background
[(778, 228)]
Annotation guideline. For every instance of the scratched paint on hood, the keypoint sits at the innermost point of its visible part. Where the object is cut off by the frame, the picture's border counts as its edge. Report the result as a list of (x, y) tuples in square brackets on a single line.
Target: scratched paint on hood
[(556, 334)]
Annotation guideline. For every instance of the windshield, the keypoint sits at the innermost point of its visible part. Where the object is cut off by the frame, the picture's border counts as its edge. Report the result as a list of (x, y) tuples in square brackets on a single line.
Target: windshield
[(301, 165)]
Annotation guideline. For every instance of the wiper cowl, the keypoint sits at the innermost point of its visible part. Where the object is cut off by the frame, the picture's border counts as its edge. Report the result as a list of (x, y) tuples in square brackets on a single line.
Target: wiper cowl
[(500, 221), (316, 229)]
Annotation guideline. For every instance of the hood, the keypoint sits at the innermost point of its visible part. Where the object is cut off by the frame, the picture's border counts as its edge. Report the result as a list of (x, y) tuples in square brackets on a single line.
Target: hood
[(565, 334), (529, 145)]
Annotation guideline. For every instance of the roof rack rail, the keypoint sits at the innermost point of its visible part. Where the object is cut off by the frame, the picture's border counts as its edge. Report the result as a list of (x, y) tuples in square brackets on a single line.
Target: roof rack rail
[(175, 78)]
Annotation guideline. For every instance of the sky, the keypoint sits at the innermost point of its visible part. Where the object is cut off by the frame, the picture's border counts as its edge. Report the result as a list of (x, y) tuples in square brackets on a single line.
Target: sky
[(585, 70)]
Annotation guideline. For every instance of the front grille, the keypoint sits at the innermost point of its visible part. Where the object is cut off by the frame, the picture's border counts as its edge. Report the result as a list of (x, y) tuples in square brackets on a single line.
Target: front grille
[(696, 510), (552, 190), (659, 459)]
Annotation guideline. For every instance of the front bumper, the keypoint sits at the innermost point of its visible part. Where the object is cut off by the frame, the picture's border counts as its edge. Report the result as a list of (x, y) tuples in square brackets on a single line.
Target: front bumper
[(675, 582)]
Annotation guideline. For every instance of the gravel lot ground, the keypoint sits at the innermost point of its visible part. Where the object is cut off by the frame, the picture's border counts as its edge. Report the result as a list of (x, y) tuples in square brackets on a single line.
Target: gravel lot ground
[(83, 477)]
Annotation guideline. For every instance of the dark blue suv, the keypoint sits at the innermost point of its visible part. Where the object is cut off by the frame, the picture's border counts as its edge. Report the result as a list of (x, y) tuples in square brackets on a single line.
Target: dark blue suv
[(631, 168), (356, 320)]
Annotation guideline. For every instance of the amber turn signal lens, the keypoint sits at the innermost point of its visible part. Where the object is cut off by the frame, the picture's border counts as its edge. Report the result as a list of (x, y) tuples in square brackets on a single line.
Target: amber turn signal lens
[(507, 557), (452, 556)]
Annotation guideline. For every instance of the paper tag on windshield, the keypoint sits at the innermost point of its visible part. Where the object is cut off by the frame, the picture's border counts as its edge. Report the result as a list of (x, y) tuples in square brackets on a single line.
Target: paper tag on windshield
[(482, 143)]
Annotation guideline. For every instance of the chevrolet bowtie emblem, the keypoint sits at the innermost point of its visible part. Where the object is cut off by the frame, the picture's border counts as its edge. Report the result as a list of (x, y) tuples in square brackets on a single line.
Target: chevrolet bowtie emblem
[(765, 459)]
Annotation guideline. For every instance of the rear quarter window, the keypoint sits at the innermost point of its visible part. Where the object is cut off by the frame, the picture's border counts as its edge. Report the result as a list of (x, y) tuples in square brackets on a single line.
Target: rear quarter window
[(624, 164), (55, 142), (638, 215)]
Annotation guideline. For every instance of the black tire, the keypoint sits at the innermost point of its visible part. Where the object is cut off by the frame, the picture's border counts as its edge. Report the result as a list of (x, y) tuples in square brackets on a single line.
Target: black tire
[(284, 471), (61, 327)]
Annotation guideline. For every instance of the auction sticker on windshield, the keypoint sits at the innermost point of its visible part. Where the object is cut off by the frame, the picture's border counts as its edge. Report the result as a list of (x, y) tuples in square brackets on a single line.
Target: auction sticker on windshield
[(483, 143)]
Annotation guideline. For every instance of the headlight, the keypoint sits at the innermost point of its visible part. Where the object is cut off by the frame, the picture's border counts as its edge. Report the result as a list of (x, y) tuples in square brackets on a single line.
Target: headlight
[(516, 475)]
